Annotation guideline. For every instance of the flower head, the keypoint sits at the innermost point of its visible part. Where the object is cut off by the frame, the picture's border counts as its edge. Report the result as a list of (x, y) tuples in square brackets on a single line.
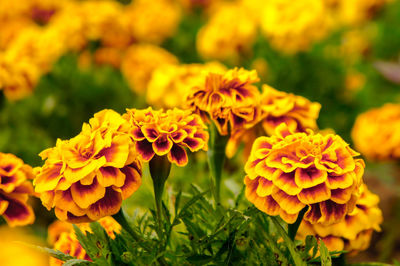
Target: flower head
[(375, 133), (15, 188), (354, 233), (276, 107), (229, 100), (291, 171), (87, 177), (170, 83), (67, 242), (166, 133), (297, 112)]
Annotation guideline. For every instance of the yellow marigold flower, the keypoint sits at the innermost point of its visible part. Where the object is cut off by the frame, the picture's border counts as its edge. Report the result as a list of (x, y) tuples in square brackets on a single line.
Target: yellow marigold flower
[(293, 26), (14, 251), (295, 111), (375, 133), (229, 100), (166, 133), (276, 107), (354, 233), (170, 83), (68, 243), (140, 61), (229, 33), (87, 177), (291, 171), (15, 188), (153, 21)]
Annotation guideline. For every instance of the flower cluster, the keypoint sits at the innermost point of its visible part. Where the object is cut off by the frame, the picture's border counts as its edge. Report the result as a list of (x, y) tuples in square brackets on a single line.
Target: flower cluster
[(354, 233), (170, 83), (39, 32), (291, 171), (166, 133), (229, 100), (87, 177), (375, 133), (15, 189), (66, 241)]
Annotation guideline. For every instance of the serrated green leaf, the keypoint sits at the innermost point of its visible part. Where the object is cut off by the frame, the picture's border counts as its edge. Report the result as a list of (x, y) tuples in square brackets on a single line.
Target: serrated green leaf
[(52, 252)]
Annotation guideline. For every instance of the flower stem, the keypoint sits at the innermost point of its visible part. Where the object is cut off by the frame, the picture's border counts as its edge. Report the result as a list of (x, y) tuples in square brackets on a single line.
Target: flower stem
[(216, 158), (159, 171), (292, 228)]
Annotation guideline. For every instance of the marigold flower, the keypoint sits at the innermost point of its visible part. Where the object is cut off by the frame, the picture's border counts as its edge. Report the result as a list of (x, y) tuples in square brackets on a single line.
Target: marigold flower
[(229, 33), (291, 171), (293, 26), (15, 188), (68, 243), (297, 112), (87, 177), (170, 83), (276, 107), (354, 233), (375, 133), (166, 133), (230, 100), (140, 61)]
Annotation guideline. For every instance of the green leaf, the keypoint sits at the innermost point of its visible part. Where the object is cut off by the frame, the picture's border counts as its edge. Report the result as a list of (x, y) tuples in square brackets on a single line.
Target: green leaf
[(52, 252), (326, 259), (77, 262), (289, 243), (199, 259)]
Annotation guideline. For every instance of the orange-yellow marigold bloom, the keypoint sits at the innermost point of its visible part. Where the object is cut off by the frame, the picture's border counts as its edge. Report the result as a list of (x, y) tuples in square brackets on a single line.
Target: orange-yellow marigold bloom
[(87, 177), (67, 242), (276, 107), (170, 83), (375, 133), (295, 111), (354, 233), (291, 171), (230, 100), (166, 133), (15, 188)]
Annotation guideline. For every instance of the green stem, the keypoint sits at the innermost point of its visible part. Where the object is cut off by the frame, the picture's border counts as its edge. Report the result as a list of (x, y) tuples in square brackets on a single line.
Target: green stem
[(216, 158), (159, 170), (292, 228)]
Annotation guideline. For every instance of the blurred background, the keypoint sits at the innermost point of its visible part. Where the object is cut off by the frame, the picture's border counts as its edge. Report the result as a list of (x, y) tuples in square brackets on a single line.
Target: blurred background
[(63, 60)]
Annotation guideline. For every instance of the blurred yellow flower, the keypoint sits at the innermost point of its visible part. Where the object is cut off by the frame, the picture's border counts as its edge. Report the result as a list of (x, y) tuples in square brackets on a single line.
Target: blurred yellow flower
[(353, 12), (230, 100), (170, 83), (87, 177), (228, 34), (166, 133), (292, 26), (153, 21), (291, 171), (375, 133), (140, 61), (13, 253), (354, 233)]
